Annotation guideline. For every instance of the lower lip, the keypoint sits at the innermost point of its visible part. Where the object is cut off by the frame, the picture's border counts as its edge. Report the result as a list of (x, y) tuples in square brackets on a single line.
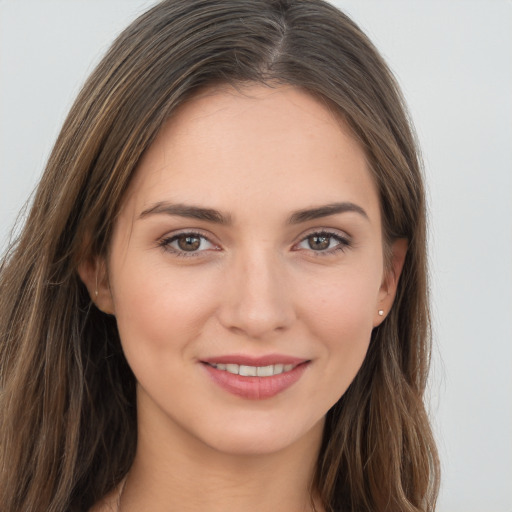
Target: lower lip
[(255, 388)]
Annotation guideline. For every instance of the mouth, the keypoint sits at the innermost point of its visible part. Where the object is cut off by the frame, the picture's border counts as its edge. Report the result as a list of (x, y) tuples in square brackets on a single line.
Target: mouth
[(255, 378), (253, 371)]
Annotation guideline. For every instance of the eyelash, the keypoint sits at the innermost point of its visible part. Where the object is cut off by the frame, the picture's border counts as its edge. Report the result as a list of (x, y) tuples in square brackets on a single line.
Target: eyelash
[(166, 242), (343, 243)]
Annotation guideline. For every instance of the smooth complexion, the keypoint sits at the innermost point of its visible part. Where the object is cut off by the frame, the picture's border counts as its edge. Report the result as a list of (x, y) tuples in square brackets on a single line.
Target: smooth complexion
[(251, 234)]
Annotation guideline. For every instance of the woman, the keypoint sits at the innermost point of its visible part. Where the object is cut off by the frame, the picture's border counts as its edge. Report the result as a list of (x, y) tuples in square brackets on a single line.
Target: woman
[(219, 299)]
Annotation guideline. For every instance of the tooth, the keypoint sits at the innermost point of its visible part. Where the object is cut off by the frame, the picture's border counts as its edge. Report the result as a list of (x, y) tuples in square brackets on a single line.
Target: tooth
[(265, 371), (254, 371), (278, 368), (232, 368), (247, 371)]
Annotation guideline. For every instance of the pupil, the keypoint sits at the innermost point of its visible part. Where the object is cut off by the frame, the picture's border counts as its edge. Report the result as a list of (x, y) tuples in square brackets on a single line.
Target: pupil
[(189, 243), (319, 242)]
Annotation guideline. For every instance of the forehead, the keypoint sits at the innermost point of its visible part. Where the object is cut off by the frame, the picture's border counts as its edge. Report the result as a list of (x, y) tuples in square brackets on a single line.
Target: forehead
[(246, 146)]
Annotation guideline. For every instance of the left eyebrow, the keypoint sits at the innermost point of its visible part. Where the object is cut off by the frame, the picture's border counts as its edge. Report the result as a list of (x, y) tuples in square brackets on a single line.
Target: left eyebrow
[(188, 211), (324, 211)]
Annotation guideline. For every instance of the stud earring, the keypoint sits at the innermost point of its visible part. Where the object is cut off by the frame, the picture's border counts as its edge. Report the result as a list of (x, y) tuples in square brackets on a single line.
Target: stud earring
[(96, 293), (381, 312)]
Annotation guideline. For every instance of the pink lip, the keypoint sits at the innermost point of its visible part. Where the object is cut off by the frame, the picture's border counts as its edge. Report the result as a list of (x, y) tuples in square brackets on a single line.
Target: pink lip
[(255, 388), (255, 361)]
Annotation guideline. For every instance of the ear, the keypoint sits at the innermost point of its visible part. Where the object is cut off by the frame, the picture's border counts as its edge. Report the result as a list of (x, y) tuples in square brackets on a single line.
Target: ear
[(93, 273), (389, 284)]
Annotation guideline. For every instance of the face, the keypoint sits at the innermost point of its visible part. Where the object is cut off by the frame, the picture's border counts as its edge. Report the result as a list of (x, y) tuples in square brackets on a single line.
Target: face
[(246, 269)]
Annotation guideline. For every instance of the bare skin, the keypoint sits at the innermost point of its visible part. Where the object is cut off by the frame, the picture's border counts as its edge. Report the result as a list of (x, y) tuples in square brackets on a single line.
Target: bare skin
[(252, 228)]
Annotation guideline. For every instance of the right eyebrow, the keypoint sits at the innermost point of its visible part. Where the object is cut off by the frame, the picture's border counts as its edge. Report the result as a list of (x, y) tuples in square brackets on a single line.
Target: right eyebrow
[(187, 211), (325, 211)]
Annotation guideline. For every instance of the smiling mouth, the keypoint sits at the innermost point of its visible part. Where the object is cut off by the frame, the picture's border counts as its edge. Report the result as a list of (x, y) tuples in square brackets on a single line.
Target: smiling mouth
[(254, 371), (259, 380)]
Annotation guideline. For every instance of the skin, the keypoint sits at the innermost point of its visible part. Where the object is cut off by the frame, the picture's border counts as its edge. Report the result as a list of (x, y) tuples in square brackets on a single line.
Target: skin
[(256, 285)]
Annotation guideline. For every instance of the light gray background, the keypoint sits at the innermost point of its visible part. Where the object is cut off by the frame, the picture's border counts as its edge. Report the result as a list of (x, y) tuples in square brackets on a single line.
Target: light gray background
[(453, 59)]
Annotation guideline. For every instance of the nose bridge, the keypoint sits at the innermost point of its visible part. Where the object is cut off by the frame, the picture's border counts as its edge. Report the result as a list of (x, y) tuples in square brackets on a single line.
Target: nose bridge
[(257, 302)]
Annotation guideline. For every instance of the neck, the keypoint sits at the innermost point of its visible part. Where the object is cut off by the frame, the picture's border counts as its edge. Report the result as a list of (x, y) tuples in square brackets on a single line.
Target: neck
[(174, 471)]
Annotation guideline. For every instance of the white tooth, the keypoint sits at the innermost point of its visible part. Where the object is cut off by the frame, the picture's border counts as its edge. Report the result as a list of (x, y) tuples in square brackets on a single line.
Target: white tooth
[(247, 371), (288, 367), (265, 371), (278, 368), (232, 368), (220, 366)]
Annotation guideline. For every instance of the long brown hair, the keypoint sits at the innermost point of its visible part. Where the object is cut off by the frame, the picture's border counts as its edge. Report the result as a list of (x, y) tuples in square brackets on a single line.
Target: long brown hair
[(67, 396)]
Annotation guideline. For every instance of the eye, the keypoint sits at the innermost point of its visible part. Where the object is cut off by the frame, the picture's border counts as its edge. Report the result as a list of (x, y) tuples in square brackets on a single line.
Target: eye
[(324, 242), (186, 244)]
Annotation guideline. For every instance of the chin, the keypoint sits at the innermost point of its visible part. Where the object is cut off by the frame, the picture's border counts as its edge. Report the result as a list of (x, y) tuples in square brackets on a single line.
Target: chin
[(261, 438)]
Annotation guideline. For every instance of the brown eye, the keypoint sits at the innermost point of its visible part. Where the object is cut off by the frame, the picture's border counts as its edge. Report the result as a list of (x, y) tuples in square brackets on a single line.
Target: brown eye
[(319, 242), (189, 242), (324, 242)]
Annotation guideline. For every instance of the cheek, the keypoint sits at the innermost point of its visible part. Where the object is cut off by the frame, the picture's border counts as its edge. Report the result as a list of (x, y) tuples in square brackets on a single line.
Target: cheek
[(340, 317), (343, 304), (159, 314), (157, 307)]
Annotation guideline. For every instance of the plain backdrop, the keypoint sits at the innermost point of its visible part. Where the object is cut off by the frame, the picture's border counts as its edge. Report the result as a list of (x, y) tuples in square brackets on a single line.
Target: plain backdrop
[(453, 59)]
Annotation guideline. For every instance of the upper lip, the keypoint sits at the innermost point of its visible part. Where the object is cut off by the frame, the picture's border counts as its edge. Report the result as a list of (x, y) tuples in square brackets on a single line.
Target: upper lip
[(247, 360)]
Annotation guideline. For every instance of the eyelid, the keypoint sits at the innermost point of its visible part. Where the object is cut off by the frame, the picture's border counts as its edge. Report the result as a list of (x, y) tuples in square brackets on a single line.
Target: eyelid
[(325, 230), (165, 241), (345, 240)]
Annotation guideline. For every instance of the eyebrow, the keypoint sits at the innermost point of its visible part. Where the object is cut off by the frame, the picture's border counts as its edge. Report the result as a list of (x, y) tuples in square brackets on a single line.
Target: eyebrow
[(324, 211), (215, 216), (188, 211)]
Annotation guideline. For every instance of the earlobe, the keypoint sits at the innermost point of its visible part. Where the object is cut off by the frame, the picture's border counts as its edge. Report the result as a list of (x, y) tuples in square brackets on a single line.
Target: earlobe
[(93, 273), (389, 284)]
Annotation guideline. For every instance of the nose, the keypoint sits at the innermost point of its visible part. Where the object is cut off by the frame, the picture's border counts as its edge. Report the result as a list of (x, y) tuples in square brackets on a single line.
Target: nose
[(257, 299)]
